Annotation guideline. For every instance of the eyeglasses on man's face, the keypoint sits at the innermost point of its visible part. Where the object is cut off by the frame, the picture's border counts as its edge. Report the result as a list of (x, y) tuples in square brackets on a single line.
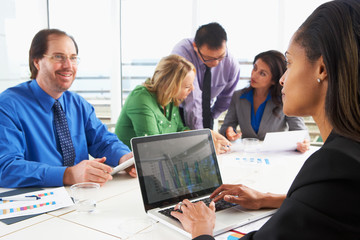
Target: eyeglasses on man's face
[(62, 58), (207, 59)]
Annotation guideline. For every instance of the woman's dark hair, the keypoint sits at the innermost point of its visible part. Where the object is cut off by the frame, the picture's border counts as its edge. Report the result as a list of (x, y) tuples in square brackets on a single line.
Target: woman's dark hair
[(212, 34), (39, 47), (333, 32), (277, 63)]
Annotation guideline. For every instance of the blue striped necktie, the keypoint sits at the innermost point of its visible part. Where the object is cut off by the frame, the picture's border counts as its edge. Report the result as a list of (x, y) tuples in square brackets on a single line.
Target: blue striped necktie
[(63, 132)]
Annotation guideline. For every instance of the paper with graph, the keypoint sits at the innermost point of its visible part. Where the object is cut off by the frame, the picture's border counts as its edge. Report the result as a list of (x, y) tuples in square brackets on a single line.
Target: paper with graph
[(50, 200)]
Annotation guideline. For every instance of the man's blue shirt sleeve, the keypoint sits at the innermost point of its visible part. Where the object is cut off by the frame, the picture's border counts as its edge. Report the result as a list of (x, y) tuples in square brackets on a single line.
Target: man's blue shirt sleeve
[(101, 142), (29, 151)]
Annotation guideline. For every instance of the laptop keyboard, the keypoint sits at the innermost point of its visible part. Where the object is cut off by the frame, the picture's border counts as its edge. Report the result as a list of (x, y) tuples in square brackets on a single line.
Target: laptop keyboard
[(220, 205)]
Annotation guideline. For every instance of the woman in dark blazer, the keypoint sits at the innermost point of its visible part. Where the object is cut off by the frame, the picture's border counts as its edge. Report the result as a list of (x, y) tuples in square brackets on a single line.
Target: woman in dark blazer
[(257, 109), (322, 80)]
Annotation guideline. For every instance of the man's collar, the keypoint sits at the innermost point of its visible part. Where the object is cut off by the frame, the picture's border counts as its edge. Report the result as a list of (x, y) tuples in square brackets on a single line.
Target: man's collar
[(44, 99)]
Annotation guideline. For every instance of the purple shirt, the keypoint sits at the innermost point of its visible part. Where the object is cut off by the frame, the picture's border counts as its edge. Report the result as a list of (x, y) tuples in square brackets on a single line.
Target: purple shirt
[(224, 78)]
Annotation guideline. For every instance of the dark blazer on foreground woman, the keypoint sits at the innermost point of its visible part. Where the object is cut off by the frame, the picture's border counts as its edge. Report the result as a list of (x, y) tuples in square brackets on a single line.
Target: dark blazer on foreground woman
[(324, 199)]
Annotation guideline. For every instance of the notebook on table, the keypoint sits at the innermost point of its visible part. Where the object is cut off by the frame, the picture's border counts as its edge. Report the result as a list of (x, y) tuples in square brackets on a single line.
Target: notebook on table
[(172, 167)]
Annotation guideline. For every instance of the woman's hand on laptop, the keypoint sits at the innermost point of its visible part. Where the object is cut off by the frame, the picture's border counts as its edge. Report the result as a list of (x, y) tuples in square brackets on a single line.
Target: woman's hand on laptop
[(196, 218), (247, 197)]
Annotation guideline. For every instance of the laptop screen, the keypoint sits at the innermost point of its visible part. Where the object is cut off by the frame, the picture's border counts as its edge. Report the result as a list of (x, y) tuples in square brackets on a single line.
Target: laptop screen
[(175, 166)]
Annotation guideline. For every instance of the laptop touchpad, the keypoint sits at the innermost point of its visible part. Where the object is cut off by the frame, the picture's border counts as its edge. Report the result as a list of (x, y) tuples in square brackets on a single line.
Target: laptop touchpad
[(233, 215)]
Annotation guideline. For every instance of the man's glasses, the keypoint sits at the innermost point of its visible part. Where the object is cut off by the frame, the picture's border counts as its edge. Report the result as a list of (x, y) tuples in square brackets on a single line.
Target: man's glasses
[(212, 59), (61, 58)]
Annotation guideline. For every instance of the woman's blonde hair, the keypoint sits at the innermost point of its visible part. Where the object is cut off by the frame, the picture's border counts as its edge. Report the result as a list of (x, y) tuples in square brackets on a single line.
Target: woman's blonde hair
[(167, 79)]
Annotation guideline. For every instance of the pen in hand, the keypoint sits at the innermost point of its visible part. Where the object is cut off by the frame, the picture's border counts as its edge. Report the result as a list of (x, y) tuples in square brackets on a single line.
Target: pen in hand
[(24, 198)]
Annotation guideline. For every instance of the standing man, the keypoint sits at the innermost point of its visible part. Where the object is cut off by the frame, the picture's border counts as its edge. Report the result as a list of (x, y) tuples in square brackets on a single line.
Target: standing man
[(217, 74), (47, 132)]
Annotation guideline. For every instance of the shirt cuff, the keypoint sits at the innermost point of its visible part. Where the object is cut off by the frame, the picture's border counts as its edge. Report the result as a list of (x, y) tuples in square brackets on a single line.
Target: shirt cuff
[(215, 114), (54, 177), (113, 159), (204, 237)]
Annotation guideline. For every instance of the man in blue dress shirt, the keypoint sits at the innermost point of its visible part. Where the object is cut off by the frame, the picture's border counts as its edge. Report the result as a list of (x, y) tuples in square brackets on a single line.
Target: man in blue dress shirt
[(30, 153), (208, 50)]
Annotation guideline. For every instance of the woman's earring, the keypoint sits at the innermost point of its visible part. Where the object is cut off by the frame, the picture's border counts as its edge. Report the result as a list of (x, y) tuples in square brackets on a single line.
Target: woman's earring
[(318, 80)]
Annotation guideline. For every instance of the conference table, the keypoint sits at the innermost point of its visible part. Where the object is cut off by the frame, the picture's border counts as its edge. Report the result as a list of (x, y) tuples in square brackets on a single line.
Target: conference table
[(120, 213)]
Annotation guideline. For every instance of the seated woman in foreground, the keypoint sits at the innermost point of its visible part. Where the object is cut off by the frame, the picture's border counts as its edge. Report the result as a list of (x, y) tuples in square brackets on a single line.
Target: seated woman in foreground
[(257, 109), (322, 80), (152, 108)]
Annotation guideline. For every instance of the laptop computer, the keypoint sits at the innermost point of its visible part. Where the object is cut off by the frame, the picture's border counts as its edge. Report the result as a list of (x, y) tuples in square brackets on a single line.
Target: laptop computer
[(172, 167)]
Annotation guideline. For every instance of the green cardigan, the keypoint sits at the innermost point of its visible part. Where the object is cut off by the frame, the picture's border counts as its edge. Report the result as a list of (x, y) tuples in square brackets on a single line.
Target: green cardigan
[(141, 115)]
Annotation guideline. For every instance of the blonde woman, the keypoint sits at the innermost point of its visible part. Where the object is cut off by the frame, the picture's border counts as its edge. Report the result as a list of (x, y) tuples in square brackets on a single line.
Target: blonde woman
[(152, 108)]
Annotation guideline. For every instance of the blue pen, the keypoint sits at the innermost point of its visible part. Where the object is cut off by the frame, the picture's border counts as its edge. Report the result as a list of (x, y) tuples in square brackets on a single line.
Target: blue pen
[(234, 130), (23, 198)]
